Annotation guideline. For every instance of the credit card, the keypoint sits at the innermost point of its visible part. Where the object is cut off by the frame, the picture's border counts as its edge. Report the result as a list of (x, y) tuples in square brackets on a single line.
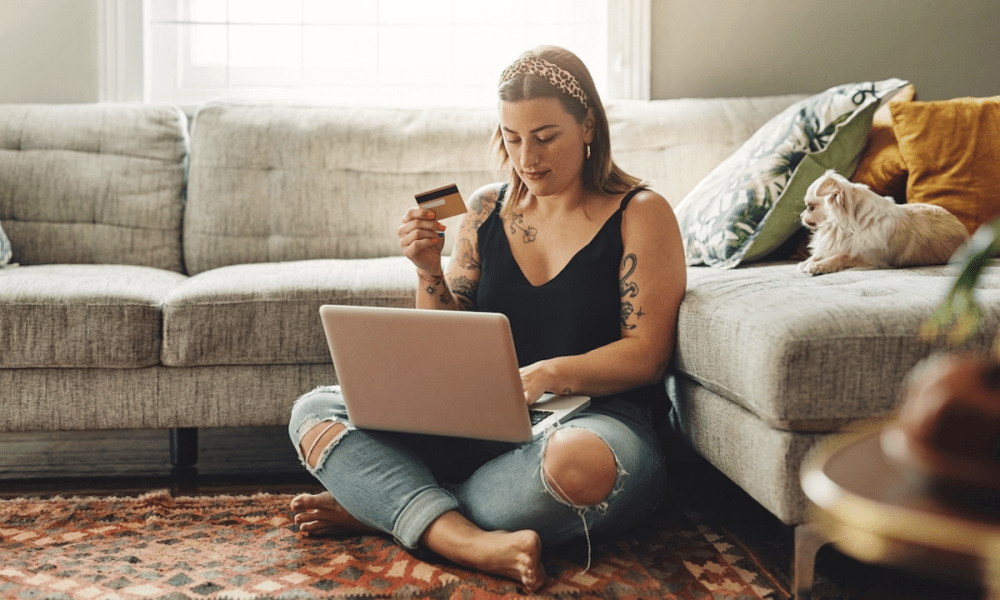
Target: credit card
[(445, 201)]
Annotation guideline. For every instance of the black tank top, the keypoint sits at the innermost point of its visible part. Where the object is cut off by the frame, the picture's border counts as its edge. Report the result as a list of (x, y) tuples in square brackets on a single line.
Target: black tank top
[(576, 311)]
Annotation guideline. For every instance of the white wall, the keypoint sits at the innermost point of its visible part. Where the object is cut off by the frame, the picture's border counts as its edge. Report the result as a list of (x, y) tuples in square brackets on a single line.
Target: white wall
[(48, 51), (701, 48), (708, 48)]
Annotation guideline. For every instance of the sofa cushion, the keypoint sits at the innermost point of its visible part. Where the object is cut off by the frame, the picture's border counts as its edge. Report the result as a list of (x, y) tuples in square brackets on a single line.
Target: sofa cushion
[(750, 203), (881, 167), (155, 397), (278, 183), (814, 353), (952, 152), (82, 315), (268, 313), (93, 183), (673, 144), (345, 176)]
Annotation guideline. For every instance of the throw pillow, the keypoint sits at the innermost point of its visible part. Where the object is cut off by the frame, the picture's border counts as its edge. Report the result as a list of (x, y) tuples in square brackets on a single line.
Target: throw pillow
[(881, 167), (5, 250), (748, 205), (952, 151)]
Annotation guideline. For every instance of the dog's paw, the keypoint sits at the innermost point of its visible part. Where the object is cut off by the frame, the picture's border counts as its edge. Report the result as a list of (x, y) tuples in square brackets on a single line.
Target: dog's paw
[(826, 268), (808, 266), (815, 266)]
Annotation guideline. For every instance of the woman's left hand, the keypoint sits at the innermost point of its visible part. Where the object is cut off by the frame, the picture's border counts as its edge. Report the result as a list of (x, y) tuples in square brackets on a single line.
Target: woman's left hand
[(537, 379)]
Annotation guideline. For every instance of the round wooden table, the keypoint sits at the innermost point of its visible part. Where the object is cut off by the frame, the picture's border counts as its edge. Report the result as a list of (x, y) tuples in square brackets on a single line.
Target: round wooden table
[(876, 511)]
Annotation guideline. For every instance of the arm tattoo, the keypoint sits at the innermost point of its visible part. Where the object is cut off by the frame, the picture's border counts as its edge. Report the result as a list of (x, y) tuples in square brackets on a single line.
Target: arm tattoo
[(431, 288), (466, 257), (480, 207), (465, 253), (465, 292), (629, 290), (528, 232)]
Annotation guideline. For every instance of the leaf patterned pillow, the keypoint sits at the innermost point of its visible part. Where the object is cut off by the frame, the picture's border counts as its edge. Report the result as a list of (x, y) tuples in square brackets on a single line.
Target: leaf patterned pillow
[(5, 250), (748, 205)]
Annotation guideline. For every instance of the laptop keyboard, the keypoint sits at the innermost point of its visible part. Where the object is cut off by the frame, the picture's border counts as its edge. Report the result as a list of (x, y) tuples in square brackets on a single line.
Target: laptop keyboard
[(538, 415)]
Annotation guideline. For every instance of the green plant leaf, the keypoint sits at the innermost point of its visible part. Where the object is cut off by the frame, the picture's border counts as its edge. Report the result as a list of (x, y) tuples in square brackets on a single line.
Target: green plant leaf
[(958, 317)]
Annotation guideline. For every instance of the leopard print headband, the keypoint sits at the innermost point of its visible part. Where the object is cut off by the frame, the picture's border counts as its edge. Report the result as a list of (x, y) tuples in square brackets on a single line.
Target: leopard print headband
[(556, 75)]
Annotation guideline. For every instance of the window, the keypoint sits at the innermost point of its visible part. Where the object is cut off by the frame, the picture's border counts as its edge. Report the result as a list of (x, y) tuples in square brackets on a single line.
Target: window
[(361, 52)]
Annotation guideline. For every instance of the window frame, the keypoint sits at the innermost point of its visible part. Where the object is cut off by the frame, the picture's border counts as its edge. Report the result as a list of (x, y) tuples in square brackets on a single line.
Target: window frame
[(122, 45)]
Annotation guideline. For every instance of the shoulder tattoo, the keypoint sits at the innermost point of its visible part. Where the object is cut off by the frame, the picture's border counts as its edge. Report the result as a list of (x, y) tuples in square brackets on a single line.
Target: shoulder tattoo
[(480, 207), (465, 253)]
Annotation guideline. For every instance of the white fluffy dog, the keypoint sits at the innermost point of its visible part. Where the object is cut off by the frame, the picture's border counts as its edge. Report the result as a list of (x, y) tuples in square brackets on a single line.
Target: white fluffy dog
[(853, 227)]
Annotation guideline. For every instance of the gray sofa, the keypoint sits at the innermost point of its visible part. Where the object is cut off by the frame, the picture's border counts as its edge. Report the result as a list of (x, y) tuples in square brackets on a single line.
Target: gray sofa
[(172, 279)]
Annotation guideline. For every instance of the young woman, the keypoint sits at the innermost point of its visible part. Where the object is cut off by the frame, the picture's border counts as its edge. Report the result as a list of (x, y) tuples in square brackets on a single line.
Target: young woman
[(588, 267)]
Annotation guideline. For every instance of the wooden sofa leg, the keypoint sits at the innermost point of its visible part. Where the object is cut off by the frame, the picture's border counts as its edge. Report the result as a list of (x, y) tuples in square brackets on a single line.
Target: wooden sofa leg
[(184, 446), (808, 540)]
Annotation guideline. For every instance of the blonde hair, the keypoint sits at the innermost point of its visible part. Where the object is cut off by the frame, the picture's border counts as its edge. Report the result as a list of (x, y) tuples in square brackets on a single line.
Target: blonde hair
[(600, 173)]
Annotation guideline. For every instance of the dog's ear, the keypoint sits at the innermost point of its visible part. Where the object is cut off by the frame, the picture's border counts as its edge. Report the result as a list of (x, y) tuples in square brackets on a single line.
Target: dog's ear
[(837, 192), (840, 201), (829, 183)]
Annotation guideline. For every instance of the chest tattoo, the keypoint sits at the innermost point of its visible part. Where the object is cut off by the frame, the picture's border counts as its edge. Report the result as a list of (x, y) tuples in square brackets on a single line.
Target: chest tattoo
[(528, 233)]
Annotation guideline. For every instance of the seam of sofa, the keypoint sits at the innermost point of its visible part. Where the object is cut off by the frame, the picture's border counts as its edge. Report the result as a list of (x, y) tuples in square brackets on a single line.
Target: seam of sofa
[(169, 161), (98, 223)]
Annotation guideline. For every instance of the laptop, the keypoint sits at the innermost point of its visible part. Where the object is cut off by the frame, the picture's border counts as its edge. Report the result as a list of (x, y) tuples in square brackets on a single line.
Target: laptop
[(439, 372)]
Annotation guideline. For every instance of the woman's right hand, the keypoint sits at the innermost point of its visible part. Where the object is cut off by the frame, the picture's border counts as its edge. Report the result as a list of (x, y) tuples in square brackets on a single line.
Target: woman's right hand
[(422, 238)]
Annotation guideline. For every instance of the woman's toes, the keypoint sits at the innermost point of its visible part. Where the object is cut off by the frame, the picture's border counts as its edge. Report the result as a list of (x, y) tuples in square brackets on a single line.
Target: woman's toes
[(298, 502), (315, 528), (304, 502), (305, 516)]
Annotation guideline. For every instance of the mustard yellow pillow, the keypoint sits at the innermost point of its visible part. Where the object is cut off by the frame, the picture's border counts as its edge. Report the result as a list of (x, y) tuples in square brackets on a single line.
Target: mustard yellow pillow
[(881, 167), (952, 151)]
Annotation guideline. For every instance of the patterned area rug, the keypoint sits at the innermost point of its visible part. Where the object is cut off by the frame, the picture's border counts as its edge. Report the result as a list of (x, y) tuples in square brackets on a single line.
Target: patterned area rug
[(160, 547)]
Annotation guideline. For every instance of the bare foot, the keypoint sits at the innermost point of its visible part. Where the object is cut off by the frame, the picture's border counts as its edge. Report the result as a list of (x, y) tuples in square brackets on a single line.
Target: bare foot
[(320, 514), (516, 555)]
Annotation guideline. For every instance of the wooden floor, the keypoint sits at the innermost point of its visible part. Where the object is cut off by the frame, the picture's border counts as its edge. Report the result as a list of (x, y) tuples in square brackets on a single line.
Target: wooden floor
[(230, 460)]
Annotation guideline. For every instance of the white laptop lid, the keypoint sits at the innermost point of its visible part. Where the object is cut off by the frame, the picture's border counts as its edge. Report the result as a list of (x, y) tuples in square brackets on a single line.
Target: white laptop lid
[(431, 371)]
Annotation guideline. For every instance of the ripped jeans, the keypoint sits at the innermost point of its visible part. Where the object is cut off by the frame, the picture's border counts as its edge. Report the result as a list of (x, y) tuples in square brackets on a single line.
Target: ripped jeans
[(401, 483)]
